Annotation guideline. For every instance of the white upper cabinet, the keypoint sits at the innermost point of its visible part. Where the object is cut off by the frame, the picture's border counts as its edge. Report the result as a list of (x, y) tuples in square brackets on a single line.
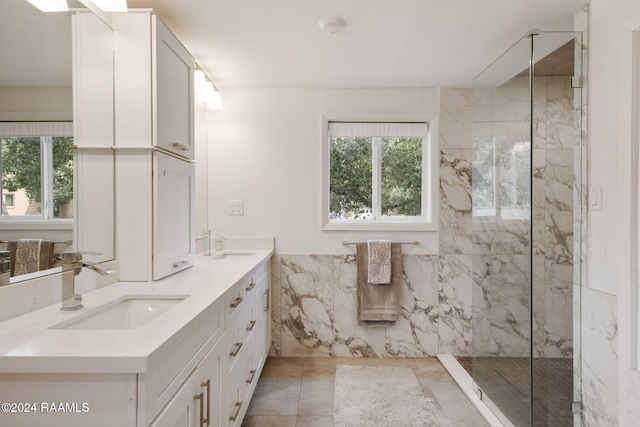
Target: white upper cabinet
[(154, 85), (173, 77), (155, 148)]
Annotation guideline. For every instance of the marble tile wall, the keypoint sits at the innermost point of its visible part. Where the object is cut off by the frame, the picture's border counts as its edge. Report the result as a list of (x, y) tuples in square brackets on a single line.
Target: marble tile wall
[(316, 315), (502, 248), (600, 358), (596, 364)]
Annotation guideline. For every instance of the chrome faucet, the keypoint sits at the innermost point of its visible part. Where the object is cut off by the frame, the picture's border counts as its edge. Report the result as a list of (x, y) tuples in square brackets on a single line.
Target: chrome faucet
[(217, 239), (72, 265)]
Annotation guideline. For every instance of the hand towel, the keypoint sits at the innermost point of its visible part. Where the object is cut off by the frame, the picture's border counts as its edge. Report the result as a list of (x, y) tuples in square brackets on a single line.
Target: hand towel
[(378, 305), (30, 255), (379, 261)]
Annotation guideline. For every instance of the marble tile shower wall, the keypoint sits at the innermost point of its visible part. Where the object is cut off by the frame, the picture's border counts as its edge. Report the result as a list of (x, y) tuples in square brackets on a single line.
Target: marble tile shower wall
[(502, 251), (314, 300)]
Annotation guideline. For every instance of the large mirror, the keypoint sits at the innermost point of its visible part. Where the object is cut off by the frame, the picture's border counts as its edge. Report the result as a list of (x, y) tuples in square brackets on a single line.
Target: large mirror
[(44, 191)]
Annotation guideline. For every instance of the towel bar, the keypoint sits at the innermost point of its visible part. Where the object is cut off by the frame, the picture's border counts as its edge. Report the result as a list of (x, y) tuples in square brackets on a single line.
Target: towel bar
[(413, 242)]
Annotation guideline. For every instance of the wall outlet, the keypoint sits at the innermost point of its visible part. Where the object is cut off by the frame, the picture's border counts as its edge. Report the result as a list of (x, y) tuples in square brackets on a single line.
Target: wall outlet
[(236, 207)]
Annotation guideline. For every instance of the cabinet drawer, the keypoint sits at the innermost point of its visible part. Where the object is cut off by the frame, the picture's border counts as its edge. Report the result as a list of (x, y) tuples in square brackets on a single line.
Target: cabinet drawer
[(234, 301), (251, 316), (156, 387), (233, 348), (234, 404)]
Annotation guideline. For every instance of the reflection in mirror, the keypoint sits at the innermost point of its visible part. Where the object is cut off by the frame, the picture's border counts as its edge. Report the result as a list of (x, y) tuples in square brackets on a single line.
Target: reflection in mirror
[(36, 137)]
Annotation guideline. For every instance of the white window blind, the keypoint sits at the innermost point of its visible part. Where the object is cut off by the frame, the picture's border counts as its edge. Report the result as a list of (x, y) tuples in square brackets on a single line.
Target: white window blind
[(36, 128), (374, 129)]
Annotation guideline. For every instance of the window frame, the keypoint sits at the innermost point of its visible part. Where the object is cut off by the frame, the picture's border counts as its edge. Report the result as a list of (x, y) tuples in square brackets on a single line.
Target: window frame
[(46, 131), (431, 161)]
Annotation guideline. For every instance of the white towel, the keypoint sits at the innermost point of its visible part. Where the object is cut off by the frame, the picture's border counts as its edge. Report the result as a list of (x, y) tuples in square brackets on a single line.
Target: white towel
[(379, 262)]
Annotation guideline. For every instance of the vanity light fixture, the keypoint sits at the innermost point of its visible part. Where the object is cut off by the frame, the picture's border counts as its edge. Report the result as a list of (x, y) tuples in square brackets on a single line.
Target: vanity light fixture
[(50, 5), (111, 5), (205, 90)]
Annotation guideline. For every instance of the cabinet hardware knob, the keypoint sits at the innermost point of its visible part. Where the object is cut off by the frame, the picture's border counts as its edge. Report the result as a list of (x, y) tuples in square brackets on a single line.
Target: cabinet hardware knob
[(179, 146), (200, 397), (238, 347), (251, 325), (253, 374), (236, 302), (237, 413)]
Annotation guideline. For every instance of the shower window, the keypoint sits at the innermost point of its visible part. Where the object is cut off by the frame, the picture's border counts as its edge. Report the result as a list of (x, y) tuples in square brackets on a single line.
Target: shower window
[(379, 174), (501, 178)]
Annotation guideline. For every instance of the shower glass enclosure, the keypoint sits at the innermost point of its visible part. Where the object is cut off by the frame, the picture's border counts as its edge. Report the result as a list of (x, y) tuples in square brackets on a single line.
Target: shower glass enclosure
[(527, 219)]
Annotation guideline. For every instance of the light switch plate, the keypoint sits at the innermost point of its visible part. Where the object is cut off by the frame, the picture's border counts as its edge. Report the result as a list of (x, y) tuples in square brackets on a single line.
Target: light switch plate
[(236, 207), (595, 198)]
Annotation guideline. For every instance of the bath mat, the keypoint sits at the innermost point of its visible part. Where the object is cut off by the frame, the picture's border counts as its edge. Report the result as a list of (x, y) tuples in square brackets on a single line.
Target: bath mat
[(374, 396)]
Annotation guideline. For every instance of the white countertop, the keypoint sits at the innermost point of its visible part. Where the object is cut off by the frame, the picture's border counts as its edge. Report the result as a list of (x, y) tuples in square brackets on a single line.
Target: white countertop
[(28, 345)]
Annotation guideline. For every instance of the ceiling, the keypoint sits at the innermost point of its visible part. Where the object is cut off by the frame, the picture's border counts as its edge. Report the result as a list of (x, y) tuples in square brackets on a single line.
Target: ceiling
[(278, 43)]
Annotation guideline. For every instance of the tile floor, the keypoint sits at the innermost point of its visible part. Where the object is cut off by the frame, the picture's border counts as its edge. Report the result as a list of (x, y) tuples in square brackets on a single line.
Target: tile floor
[(298, 392)]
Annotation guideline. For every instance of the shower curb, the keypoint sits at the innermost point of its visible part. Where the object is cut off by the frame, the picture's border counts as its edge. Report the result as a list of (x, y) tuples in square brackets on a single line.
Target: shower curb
[(465, 382)]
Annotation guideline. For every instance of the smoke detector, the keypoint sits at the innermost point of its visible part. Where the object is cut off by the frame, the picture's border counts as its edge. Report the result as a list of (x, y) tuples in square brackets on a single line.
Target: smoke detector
[(332, 24)]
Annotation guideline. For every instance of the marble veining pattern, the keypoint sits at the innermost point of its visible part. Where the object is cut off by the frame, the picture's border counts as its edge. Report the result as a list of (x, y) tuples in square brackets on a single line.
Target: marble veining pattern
[(455, 302), (600, 358)]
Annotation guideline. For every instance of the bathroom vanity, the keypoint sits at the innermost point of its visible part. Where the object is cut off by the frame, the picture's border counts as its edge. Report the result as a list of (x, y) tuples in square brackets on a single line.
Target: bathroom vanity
[(183, 351)]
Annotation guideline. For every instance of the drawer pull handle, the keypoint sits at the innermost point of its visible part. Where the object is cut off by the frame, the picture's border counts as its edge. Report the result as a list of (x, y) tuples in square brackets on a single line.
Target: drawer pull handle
[(180, 264), (179, 146), (200, 397), (236, 302), (238, 347), (208, 419), (237, 413), (251, 325), (253, 374), (266, 308), (251, 286)]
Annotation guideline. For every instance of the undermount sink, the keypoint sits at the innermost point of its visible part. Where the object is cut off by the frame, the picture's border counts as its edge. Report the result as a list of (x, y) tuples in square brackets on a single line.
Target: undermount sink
[(229, 254), (128, 312)]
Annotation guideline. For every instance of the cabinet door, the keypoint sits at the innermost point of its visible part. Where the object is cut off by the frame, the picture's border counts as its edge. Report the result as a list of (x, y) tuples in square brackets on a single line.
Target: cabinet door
[(197, 402), (173, 92), (173, 215), (183, 409)]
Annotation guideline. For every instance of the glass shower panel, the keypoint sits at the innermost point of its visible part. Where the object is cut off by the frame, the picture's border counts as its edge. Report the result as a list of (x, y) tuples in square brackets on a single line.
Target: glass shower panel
[(527, 159), (556, 206), (502, 170)]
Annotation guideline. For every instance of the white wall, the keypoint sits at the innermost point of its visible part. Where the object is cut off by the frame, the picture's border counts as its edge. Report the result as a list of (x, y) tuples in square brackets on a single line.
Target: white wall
[(609, 165), (265, 149)]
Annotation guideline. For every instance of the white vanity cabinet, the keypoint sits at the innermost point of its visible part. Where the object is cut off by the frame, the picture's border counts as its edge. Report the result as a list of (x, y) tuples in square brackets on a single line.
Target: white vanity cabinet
[(227, 367), (154, 134), (203, 374)]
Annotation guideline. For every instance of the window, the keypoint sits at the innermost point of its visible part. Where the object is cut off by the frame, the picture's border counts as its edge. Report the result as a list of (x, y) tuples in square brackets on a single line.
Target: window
[(8, 200), (36, 160), (379, 174), (501, 177)]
